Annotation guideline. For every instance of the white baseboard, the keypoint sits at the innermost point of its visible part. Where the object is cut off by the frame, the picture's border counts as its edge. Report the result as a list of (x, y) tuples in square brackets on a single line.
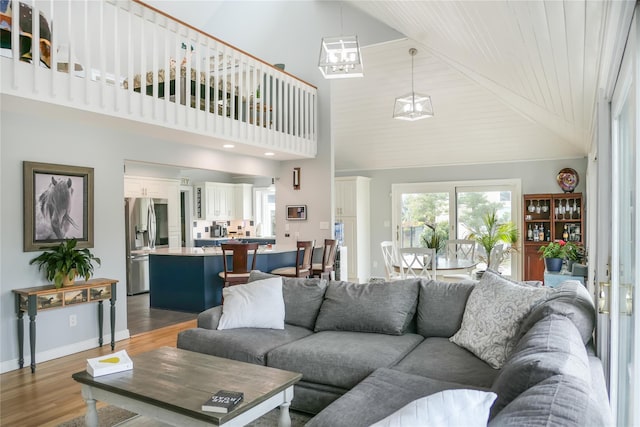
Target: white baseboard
[(54, 353)]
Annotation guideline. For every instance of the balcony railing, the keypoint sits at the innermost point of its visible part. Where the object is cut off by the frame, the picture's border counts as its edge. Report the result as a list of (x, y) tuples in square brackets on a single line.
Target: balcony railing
[(128, 60)]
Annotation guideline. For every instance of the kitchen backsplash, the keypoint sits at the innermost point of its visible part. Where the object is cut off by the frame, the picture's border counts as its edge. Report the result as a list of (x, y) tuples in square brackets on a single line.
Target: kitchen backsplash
[(235, 228)]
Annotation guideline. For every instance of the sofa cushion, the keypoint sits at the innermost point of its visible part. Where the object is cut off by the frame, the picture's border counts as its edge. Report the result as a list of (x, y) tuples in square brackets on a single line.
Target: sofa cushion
[(441, 306), (380, 394), (302, 298), (244, 344), (440, 359), (560, 400), (551, 347), (492, 317), (570, 299), (469, 408), (258, 304), (341, 359), (385, 308)]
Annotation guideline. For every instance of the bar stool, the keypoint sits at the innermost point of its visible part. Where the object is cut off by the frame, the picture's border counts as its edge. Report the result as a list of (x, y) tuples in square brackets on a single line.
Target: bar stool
[(324, 269), (239, 273), (303, 262)]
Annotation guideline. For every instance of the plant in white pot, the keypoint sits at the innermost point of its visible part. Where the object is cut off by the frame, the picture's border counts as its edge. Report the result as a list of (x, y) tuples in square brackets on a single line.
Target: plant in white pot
[(491, 233), (64, 262)]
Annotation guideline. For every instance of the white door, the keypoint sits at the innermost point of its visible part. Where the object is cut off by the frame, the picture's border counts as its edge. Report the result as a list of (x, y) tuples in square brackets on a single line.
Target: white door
[(625, 235)]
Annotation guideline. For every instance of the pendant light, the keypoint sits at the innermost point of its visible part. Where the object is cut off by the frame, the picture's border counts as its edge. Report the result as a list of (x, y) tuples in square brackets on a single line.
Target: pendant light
[(413, 106), (340, 56)]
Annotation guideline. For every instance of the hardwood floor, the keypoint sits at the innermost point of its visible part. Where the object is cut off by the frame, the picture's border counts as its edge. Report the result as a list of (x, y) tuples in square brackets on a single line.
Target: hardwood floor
[(49, 396), (142, 318)]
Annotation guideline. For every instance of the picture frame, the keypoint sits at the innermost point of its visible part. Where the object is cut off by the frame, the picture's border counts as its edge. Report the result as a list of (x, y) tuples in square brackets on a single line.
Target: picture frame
[(296, 212), (58, 205)]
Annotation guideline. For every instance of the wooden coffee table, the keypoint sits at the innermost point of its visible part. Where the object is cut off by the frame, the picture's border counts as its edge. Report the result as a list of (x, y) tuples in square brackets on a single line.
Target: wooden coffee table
[(170, 385)]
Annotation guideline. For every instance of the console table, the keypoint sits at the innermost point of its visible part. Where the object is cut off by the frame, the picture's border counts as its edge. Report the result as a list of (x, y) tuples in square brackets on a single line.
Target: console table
[(47, 297)]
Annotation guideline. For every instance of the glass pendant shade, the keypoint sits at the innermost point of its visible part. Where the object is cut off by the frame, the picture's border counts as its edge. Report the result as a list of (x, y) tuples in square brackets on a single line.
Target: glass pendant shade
[(340, 57), (413, 106)]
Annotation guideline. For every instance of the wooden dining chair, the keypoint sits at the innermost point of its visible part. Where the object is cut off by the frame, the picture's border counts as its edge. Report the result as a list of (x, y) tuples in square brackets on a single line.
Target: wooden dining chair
[(302, 268), (417, 262), (240, 253), (324, 269)]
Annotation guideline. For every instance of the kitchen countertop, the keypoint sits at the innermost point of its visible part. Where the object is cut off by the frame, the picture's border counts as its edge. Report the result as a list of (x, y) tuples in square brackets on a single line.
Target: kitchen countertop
[(275, 249), (235, 237)]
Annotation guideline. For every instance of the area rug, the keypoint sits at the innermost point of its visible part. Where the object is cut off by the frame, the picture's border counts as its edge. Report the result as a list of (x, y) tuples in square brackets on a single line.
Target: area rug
[(110, 416)]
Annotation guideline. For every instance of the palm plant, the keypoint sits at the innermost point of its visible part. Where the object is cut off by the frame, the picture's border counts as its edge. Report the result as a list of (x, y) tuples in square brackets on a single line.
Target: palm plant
[(492, 232), (64, 262)]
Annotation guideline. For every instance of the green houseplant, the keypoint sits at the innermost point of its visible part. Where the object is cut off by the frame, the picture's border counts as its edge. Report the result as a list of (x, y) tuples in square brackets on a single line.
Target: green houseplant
[(64, 262), (435, 239), (493, 232), (553, 254)]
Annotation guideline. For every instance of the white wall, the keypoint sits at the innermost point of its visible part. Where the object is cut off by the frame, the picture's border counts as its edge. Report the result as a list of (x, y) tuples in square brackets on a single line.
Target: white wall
[(537, 177), (76, 138)]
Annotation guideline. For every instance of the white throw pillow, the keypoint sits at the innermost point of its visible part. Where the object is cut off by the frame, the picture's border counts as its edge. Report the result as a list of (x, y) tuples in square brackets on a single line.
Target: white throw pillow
[(492, 317), (448, 408), (258, 304)]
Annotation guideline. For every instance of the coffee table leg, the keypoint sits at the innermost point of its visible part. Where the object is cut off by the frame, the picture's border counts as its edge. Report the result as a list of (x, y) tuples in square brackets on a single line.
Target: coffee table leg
[(285, 417), (91, 417)]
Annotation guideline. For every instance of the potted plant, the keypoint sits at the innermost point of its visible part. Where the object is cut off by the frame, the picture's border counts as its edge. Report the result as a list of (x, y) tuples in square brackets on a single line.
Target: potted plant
[(553, 254), (435, 239), (492, 233), (64, 262)]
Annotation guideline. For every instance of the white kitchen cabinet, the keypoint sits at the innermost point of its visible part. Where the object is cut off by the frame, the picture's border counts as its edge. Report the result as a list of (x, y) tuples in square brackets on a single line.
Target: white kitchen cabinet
[(346, 203), (136, 186), (352, 210), (215, 201), (243, 201), (173, 214)]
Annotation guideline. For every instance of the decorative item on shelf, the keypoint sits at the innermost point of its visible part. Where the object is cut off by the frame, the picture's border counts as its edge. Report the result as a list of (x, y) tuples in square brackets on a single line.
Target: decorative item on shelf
[(568, 179), (64, 262), (413, 106), (340, 56)]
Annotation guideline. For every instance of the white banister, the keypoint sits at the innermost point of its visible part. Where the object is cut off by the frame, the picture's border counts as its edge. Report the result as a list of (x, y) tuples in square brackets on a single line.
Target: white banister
[(124, 59)]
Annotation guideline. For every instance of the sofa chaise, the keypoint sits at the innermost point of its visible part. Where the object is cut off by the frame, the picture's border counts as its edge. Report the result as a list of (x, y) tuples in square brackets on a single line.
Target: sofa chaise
[(368, 350)]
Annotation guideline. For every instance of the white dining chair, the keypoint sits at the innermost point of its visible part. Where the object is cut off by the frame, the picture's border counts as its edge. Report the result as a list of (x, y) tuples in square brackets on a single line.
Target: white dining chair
[(390, 256), (417, 262), (458, 250)]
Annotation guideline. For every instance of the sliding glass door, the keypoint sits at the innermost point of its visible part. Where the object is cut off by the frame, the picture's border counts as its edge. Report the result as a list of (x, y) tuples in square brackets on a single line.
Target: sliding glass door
[(625, 234), (428, 214)]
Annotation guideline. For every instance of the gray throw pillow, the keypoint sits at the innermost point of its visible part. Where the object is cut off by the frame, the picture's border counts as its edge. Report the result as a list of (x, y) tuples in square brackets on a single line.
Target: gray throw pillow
[(386, 308), (441, 307), (302, 298), (492, 317)]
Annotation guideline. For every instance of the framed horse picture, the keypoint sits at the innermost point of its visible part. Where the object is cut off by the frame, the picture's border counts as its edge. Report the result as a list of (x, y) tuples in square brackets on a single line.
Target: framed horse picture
[(58, 205)]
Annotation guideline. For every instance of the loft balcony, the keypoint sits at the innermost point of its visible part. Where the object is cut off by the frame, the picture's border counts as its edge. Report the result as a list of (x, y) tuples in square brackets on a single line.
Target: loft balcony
[(127, 60)]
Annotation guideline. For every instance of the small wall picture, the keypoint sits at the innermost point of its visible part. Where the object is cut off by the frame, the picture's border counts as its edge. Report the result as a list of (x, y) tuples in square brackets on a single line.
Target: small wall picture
[(58, 205), (99, 293), (75, 297), (50, 301)]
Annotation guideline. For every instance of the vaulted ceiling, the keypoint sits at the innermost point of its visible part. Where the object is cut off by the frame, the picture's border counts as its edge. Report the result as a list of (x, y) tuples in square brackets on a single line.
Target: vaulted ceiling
[(509, 81)]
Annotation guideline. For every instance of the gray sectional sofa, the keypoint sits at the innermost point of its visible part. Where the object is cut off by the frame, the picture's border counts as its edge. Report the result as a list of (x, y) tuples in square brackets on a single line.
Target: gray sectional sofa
[(367, 350)]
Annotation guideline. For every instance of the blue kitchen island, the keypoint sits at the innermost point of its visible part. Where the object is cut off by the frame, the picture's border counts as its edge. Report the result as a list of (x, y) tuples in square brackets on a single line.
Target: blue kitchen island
[(186, 279)]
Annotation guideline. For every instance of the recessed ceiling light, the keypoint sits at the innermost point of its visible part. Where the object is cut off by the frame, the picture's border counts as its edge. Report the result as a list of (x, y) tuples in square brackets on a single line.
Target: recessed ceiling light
[(269, 153), (228, 145)]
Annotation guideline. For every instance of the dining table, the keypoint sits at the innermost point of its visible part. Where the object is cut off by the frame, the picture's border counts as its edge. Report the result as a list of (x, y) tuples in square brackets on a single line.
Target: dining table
[(450, 265)]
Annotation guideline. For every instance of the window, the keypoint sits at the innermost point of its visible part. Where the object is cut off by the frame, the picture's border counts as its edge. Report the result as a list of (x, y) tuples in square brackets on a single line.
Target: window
[(265, 214), (427, 214)]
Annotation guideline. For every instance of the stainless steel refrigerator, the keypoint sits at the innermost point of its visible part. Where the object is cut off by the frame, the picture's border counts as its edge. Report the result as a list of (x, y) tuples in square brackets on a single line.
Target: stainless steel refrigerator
[(140, 235)]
